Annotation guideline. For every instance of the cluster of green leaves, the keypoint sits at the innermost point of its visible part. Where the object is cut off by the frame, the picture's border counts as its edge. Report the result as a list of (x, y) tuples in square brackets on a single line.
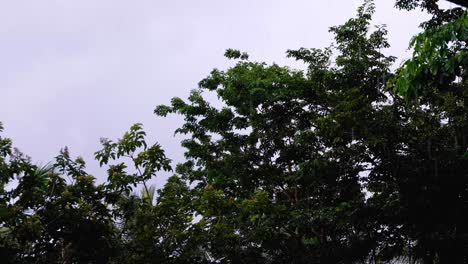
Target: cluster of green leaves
[(146, 160), (47, 219), (440, 57), (58, 214)]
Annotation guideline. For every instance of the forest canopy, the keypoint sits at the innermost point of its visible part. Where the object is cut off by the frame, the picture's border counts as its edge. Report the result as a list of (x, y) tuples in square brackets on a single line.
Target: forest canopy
[(343, 161)]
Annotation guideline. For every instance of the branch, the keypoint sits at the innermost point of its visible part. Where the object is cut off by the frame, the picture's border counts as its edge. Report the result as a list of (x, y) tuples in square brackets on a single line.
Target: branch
[(463, 3)]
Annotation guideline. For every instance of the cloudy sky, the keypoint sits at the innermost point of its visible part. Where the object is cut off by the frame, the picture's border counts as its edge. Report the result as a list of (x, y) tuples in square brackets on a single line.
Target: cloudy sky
[(74, 71)]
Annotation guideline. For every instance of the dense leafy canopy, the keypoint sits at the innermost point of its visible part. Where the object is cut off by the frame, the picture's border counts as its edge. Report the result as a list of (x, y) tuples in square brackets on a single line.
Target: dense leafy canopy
[(440, 53), (329, 164)]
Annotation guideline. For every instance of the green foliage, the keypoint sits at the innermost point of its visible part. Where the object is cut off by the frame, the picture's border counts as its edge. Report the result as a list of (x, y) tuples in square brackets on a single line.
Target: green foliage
[(235, 54), (322, 165), (49, 220), (159, 233), (277, 168), (57, 214), (146, 160), (439, 59)]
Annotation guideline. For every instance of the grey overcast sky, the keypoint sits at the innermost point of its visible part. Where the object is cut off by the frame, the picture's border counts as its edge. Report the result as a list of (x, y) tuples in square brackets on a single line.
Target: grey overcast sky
[(74, 71)]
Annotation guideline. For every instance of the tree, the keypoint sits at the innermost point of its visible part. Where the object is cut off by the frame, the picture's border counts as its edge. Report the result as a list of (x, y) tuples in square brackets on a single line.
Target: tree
[(57, 214), (329, 164), (56, 221), (149, 233), (160, 233), (434, 81), (278, 168)]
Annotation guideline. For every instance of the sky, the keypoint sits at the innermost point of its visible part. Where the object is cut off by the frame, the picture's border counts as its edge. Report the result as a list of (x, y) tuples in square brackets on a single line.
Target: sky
[(72, 72)]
